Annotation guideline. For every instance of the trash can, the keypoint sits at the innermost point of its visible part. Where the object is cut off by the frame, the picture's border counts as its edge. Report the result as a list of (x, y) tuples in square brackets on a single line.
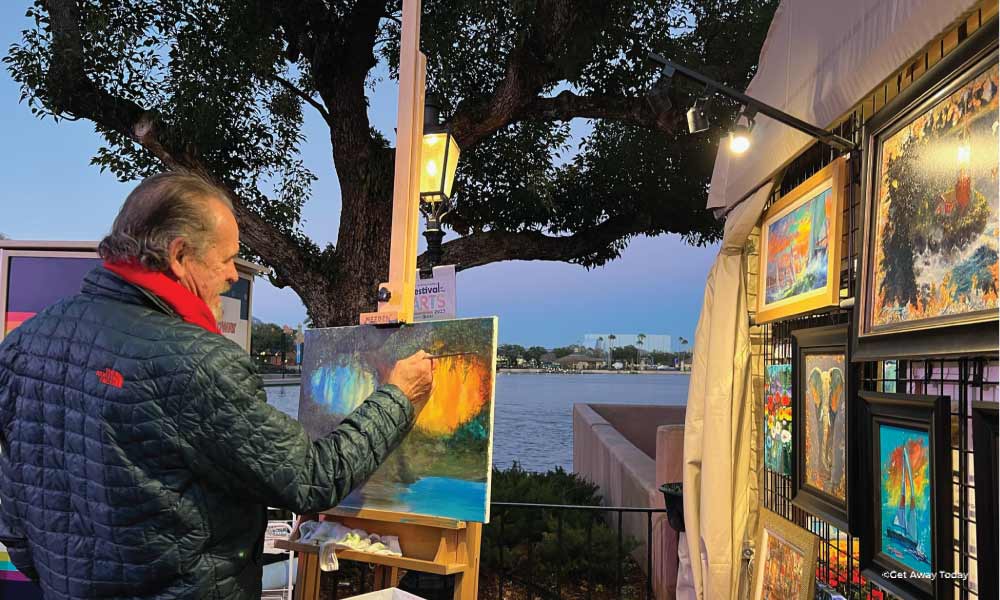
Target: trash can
[(673, 496)]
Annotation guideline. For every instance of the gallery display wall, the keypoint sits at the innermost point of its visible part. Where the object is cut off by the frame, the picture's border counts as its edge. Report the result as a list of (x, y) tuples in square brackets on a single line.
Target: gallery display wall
[(875, 277)]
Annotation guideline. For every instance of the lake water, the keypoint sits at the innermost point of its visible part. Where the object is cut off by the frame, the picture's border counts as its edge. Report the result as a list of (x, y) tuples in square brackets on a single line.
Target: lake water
[(533, 414)]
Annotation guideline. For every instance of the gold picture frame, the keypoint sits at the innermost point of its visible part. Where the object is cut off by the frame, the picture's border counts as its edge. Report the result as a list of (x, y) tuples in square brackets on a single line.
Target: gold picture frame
[(795, 254), (792, 575)]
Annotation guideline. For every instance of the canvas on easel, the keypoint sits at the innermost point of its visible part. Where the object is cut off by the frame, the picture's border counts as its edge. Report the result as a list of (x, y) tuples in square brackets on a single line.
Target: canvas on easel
[(442, 468)]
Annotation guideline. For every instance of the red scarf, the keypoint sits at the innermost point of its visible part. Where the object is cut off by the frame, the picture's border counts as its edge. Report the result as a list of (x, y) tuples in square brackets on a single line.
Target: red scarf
[(191, 308)]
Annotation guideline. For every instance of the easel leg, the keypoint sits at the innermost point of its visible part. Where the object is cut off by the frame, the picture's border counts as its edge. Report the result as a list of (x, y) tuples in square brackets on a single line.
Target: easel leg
[(467, 582), (386, 577), (307, 581)]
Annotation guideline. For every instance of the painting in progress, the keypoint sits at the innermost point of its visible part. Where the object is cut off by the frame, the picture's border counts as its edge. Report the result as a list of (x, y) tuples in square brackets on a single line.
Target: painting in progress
[(778, 419), (797, 246), (905, 494), (442, 468), (935, 244), (825, 424)]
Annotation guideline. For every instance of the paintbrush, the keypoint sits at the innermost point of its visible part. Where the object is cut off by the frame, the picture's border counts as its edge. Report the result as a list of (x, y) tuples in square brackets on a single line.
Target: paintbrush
[(436, 356)]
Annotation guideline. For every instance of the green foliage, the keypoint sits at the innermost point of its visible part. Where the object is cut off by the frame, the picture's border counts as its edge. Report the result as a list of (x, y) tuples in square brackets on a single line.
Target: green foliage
[(224, 81), (564, 351), (535, 543), (206, 69), (269, 338)]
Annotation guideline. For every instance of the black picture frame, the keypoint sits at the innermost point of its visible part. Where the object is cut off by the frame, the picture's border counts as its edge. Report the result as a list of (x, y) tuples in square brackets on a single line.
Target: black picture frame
[(832, 340), (926, 414), (984, 450), (940, 336)]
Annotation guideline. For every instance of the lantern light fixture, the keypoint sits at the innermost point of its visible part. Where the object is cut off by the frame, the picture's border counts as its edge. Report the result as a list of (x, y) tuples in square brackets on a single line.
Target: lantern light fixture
[(438, 156)]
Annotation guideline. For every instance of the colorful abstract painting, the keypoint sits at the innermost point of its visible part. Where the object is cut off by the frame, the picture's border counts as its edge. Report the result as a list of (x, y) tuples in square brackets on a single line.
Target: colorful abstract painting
[(778, 419), (782, 570), (934, 252), (797, 246), (825, 452), (443, 466), (905, 496)]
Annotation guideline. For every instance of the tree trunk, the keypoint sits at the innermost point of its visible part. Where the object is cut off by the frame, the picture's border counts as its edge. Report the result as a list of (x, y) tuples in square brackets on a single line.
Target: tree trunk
[(363, 241)]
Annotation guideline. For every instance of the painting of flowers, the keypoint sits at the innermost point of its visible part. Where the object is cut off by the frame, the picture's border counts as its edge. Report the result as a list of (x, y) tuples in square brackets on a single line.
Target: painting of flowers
[(442, 468), (800, 247), (825, 453), (933, 255), (778, 419), (905, 496)]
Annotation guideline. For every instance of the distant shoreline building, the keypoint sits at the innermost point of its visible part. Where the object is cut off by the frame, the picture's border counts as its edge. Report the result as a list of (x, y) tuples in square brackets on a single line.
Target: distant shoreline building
[(652, 343)]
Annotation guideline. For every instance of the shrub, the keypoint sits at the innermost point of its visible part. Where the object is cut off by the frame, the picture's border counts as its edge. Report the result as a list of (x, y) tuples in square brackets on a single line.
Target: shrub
[(534, 545)]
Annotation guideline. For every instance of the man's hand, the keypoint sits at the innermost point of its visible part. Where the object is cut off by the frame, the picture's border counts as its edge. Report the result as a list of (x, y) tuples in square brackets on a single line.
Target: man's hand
[(413, 376)]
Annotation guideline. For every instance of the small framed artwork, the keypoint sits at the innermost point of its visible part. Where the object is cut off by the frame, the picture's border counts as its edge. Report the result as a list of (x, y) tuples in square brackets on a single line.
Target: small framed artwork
[(984, 447), (907, 543), (785, 561), (800, 247), (928, 277), (778, 419), (822, 422)]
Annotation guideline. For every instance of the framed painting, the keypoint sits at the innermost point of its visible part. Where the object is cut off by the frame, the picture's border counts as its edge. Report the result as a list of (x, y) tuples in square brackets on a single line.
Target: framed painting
[(800, 247), (778, 419), (984, 446), (442, 467), (785, 560), (928, 281), (907, 542), (823, 422)]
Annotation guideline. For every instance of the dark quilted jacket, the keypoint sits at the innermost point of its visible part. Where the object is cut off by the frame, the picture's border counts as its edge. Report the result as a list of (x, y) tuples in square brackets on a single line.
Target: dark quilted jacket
[(154, 484)]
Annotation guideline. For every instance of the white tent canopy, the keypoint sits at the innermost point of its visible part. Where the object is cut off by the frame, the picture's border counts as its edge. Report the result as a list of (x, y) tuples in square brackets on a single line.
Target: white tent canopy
[(819, 60)]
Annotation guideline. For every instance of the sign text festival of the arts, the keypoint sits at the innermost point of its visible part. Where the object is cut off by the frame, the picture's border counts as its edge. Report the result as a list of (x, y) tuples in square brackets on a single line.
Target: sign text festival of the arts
[(434, 298)]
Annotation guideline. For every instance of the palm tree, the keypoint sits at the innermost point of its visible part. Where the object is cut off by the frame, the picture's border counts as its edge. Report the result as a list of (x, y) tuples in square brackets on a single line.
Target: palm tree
[(611, 344), (638, 343), (683, 341), (600, 342)]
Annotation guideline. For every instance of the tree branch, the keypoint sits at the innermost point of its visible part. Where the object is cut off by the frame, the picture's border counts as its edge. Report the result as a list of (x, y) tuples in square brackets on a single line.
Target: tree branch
[(645, 111), (493, 246), (301, 94), (73, 92)]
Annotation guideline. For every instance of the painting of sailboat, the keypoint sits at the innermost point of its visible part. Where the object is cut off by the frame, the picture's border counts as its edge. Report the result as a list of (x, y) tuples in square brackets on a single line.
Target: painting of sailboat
[(801, 246), (797, 247), (906, 496)]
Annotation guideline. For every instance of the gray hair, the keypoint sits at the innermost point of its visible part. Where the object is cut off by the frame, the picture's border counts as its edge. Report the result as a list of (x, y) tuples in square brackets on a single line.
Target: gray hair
[(159, 210)]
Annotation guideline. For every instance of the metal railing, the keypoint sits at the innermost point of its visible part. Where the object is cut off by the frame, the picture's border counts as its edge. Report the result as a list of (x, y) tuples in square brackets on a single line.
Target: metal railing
[(552, 586)]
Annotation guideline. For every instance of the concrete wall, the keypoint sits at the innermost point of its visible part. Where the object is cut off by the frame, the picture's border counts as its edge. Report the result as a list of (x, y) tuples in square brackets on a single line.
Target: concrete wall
[(630, 477), (639, 423)]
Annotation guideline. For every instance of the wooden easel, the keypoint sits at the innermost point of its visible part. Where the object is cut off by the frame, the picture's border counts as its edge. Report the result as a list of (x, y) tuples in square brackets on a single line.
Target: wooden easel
[(429, 544)]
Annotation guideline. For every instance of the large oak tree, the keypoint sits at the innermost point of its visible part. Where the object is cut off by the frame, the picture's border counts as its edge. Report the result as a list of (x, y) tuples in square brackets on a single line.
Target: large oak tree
[(220, 86)]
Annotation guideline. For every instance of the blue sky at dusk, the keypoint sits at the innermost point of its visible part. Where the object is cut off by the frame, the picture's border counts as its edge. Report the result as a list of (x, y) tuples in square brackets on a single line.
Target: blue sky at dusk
[(50, 191)]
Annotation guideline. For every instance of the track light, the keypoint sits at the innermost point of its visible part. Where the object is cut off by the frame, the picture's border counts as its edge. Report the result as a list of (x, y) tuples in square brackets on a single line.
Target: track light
[(739, 135), (697, 120), (659, 96)]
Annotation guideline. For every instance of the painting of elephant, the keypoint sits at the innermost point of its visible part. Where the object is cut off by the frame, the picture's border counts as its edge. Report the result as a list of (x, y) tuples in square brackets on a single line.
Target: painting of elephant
[(825, 424)]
